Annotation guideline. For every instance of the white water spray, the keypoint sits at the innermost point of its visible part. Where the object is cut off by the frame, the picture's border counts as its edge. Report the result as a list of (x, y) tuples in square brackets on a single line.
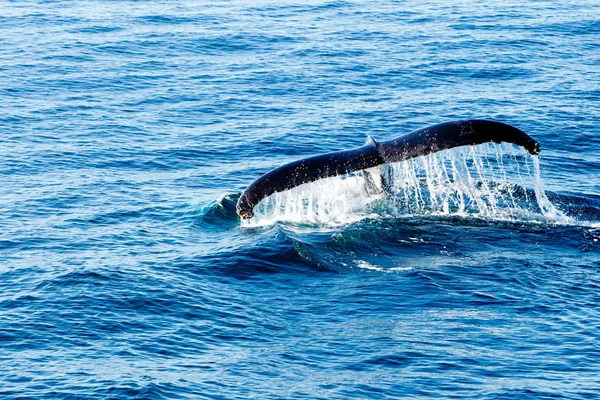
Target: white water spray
[(490, 181)]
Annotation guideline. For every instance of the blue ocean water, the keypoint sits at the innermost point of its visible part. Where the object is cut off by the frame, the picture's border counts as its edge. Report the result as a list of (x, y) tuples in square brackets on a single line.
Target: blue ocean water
[(129, 129)]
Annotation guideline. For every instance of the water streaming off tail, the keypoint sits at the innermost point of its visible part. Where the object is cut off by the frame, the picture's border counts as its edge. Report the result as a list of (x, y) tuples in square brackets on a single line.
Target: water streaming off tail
[(488, 181)]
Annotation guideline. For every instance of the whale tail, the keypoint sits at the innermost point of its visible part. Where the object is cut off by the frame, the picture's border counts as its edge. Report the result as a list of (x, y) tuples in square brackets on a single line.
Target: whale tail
[(373, 154)]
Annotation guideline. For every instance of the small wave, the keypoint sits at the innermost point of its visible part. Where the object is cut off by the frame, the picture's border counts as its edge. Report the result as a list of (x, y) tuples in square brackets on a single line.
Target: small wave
[(410, 244), (220, 212)]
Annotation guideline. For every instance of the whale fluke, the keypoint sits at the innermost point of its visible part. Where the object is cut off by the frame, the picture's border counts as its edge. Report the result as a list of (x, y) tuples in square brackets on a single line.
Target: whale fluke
[(418, 143)]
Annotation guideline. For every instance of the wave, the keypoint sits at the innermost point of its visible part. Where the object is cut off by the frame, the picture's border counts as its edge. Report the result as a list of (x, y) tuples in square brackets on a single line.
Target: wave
[(409, 244)]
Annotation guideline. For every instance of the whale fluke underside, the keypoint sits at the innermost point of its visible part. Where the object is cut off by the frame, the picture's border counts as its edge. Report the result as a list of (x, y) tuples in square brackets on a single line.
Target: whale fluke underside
[(418, 143)]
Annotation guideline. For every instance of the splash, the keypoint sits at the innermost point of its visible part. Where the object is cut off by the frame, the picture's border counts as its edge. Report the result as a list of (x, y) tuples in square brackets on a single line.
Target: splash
[(489, 181)]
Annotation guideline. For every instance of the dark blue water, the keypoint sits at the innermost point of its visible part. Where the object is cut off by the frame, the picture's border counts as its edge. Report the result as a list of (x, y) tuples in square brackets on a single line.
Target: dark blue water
[(128, 130)]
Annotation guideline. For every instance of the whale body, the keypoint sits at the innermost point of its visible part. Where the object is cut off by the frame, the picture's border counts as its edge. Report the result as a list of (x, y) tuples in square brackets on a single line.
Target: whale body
[(417, 143)]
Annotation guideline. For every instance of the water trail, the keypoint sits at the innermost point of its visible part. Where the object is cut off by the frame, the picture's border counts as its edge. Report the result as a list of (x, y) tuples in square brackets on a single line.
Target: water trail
[(488, 181), (547, 208)]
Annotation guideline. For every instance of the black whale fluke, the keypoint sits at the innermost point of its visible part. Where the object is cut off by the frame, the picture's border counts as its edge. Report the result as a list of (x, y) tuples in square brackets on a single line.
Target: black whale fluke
[(418, 143)]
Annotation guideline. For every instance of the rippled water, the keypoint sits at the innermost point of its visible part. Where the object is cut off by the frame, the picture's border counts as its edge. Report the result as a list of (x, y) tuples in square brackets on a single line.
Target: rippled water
[(129, 129)]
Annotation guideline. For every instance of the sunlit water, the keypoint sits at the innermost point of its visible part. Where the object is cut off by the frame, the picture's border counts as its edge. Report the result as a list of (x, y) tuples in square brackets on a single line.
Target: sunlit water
[(129, 129)]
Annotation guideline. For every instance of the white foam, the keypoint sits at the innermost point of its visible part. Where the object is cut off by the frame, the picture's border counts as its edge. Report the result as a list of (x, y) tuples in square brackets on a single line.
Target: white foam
[(331, 201), (369, 266)]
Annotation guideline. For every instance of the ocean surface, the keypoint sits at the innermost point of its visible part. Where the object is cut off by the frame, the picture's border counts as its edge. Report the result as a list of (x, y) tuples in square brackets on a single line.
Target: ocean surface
[(129, 129)]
